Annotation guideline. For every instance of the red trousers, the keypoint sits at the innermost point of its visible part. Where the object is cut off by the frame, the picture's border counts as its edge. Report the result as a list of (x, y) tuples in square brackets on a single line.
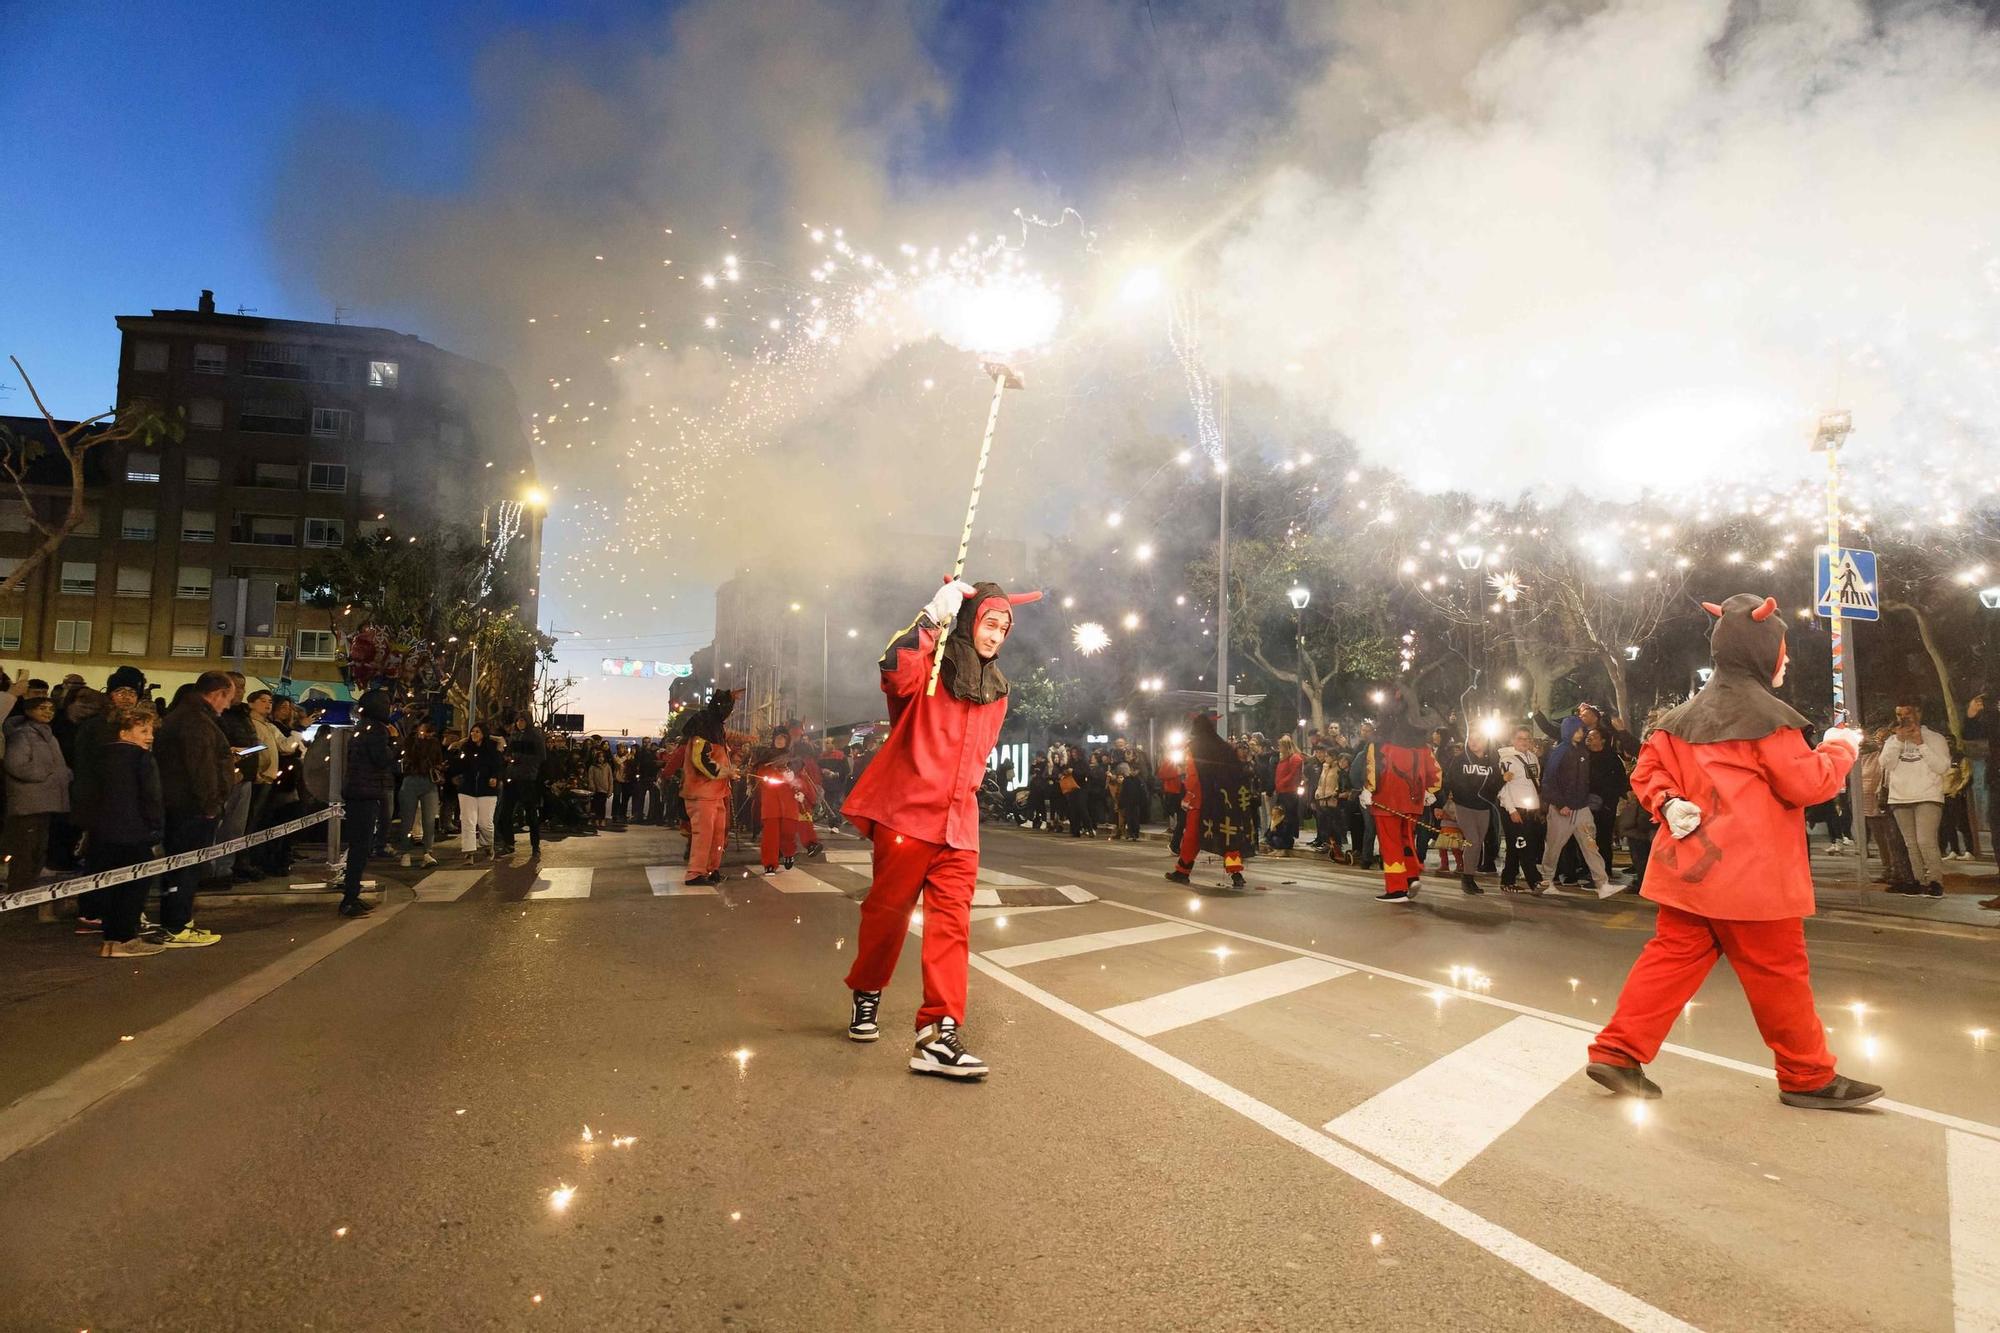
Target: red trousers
[(708, 817), (782, 837), (1770, 961), (905, 868), (1395, 839)]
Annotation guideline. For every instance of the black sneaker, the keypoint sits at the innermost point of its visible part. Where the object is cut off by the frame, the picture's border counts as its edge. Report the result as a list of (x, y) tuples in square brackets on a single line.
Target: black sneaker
[(1236, 881), (770, 871), (1469, 884), (1178, 877), (355, 907), (861, 1024), (787, 862), (1623, 1080), (1392, 896), (1934, 889), (1538, 887), (1843, 1094), (939, 1051)]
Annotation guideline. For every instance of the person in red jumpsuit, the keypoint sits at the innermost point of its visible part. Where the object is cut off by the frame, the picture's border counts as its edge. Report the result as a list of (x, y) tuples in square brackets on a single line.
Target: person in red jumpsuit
[(707, 769), (918, 803), (778, 797), (1220, 794), (1400, 780), (812, 786), (1730, 775)]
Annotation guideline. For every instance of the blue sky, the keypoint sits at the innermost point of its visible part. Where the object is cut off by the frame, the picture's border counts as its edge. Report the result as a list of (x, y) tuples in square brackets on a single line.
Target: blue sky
[(141, 144)]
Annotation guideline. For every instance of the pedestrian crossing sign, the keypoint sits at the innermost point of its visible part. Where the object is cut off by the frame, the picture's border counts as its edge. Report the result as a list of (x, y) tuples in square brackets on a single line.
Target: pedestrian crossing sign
[(1845, 577)]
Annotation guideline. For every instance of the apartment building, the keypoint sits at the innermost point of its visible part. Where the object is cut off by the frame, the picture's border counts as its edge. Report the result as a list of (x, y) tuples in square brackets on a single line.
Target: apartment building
[(299, 436)]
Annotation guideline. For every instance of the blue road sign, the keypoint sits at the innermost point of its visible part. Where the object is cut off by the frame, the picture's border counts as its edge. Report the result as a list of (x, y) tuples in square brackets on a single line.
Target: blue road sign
[(1845, 577)]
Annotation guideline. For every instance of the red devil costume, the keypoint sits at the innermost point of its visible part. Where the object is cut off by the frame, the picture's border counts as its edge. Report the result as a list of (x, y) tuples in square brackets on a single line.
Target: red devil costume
[(778, 799), (918, 802), (1399, 781), (706, 771), (1730, 775), (1220, 795)]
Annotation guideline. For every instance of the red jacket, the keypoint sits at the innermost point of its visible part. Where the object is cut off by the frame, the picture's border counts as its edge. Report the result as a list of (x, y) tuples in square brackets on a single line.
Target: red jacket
[(777, 789), (1170, 777), (1291, 771), (924, 781), (1747, 860)]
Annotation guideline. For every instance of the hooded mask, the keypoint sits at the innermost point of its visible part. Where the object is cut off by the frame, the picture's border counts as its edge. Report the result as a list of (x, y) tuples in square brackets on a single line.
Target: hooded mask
[(1738, 703), (1405, 721), (964, 674), (707, 721)]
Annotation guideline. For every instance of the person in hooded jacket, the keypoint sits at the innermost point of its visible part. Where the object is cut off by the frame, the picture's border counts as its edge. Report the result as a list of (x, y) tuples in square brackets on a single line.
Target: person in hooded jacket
[(1472, 781), (778, 798), (1218, 815), (918, 803), (1729, 775), (125, 820), (707, 769), (1567, 797), (1400, 781), (369, 792), (37, 791)]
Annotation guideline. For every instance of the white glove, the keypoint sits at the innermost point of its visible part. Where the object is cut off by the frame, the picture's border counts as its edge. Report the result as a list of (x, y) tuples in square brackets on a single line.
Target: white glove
[(1683, 817), (1847, 736), (1367, 798), (943, 608), (1430, 798)]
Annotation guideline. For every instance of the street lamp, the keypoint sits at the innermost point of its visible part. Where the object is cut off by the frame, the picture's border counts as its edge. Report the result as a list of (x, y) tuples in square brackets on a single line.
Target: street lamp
[(1471, 557), (1300, 597)]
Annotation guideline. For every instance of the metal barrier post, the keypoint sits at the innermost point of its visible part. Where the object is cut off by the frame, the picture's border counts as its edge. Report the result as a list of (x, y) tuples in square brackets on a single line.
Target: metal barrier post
[(336, 782)]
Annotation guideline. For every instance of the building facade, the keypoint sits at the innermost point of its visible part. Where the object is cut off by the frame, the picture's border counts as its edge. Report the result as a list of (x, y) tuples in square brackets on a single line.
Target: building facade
[(299, 437)]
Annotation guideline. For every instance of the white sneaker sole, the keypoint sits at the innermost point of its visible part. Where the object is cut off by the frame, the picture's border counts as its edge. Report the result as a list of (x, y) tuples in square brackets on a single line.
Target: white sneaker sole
[(923, 1066), (852, 1035)]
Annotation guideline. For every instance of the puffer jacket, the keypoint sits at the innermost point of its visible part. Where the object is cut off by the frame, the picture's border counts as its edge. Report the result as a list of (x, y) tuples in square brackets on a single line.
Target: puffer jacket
[(371, 754), (37, 777)]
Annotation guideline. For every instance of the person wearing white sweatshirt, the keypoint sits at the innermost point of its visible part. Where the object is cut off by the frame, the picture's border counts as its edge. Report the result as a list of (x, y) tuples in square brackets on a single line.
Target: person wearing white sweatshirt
[(1915, 760)]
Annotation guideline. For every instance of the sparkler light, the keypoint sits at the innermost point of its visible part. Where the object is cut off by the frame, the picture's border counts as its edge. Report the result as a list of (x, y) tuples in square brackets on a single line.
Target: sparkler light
[(1089, 638)]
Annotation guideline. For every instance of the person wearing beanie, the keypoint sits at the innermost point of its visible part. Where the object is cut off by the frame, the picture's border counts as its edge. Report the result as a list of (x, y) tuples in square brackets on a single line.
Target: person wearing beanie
[(1730, 776), (918, 804)]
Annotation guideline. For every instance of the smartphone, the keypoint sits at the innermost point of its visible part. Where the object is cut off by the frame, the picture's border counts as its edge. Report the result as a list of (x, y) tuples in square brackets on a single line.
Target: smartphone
[(248, 749)]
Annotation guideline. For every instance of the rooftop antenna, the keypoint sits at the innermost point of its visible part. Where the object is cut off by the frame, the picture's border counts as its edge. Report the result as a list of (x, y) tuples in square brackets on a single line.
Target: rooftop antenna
[(340, 314), (246, 310)]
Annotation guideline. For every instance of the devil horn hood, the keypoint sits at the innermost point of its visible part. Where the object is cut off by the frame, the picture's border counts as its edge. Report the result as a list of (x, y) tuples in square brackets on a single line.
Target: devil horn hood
[(1747, 647)]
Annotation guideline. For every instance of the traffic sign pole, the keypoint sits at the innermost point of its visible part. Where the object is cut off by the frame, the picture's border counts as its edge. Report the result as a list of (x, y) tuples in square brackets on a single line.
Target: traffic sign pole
[(1833, 430)]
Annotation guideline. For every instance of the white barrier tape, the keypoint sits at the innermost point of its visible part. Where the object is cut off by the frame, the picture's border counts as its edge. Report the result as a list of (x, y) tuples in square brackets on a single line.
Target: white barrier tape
[(104, 879)]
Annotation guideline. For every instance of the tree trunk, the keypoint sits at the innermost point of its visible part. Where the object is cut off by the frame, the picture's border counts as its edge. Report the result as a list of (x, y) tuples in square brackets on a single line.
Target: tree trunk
[(1951, 714), (1614, 667)]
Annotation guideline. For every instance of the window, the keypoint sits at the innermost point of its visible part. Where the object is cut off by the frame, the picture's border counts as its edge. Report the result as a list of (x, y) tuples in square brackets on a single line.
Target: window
[(135, 581), (330, 369), (10, 633), (149, 356), (288, 590), (273, 416), (266, 530), (197, 525), (79, 577), (87, 526), (381, 374), (138, 525), (13, 516), (331, 422), (381, 428), (283, 476), (8, 564), (195, 583), (327, 477), (325, 532), (211, 359), (190, 641), (72, 636), (142, 465), (128, 640), (205, 413), (316, 644), (203, 469), (277, 361)]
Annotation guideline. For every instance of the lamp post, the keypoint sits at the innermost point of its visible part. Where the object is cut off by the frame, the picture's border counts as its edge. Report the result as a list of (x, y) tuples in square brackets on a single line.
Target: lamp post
[(1300, 597), (1832, 433)]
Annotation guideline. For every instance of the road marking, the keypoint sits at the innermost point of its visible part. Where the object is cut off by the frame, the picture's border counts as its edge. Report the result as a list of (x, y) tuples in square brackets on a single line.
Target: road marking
[(562, 882), (1001, 877), (1972, 1176), (1219, 996), (800, 880), (1002, 913), (447, 886), (671, 882), (1071, 945), (1074, 894), (1438, 1119), (861, 858), (36, 1115), (1584, 1025), (1552, 1270), (986, 897)]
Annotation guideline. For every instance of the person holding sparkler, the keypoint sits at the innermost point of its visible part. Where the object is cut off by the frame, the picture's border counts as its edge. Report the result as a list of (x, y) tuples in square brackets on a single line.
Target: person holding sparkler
[(1730, 775), (706, 772), (778, 796), (918, 803), (1400, 781)]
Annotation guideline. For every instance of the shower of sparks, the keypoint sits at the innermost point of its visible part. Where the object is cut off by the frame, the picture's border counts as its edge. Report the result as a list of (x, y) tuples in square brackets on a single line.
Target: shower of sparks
[(1089, 638), (1507, 586), (560, 1196)]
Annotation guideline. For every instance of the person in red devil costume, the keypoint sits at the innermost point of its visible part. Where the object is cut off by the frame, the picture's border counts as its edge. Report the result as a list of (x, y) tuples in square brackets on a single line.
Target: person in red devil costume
[(918, 803), (1399, 783), (1220, 793), (707, 769), (778, 802), (1730, 775)]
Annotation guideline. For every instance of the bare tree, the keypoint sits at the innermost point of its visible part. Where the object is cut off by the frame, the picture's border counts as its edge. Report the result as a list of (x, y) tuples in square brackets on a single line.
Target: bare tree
[(1578, 607), (139, 423)]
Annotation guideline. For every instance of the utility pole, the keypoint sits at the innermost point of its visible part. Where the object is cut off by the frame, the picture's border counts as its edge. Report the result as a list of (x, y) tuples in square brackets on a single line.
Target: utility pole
[(1222, 569), (1834, 428)]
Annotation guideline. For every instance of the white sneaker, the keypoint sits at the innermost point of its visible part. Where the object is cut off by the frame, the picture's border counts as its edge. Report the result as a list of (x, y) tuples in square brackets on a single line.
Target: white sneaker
[(406, 860), (429, 860), (939, 1051)]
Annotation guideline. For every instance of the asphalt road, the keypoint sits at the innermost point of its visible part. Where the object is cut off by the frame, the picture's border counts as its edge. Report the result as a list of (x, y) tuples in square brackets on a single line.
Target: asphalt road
[(1290, 1108)]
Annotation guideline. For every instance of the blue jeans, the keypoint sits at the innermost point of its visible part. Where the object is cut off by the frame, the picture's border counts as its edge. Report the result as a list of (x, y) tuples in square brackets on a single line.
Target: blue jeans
[(418, 797)]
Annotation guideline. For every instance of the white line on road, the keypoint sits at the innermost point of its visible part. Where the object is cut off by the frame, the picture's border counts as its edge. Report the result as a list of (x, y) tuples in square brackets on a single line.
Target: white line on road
[(1001, 877), (800, 880), (1948, 1121), (447, 886), (38, 1114), (1219, 996), (563, 882), (1972, 1175), (671, 882), (1074, 894), (1071, 945), (1002, 913), (1438, 1119), (986, 897), (861, 858), (1552, 1270)]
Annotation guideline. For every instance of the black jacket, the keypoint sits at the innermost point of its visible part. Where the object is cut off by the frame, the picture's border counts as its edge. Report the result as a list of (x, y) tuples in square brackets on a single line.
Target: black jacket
[(128, 806), (1473, 781), (242, 734), (526, 751), (194, 759), (371, 764), (476, 768)]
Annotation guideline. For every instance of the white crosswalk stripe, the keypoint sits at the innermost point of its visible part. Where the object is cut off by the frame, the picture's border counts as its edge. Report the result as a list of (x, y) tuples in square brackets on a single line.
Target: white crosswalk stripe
[(671, 882), (1220, 995), (1972, 1178), (563, 882), (447, 886), (1071, 945)]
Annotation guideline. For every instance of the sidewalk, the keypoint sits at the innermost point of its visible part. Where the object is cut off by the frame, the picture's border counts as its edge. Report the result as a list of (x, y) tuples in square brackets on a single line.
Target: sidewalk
[(1833, 883)]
